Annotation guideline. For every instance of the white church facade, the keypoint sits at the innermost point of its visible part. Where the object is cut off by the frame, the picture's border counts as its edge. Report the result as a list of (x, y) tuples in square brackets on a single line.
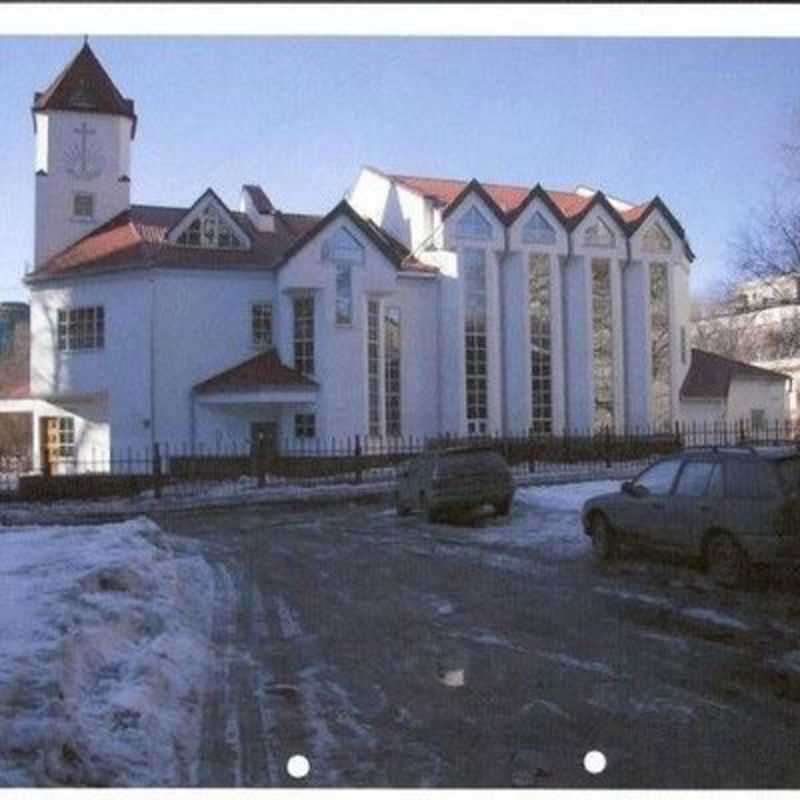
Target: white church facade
[(416, 307)]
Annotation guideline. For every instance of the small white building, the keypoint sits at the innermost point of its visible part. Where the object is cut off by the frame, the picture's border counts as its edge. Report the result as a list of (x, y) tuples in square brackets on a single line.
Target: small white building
[(719, 392), (415, 307)]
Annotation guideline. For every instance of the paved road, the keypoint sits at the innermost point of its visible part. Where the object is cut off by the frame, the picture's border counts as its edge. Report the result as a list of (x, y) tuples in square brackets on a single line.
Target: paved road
[(392, 652)]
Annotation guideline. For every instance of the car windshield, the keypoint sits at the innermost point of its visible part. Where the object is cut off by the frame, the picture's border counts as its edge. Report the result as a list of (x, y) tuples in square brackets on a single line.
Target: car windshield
[(471, 463), (789, 470)]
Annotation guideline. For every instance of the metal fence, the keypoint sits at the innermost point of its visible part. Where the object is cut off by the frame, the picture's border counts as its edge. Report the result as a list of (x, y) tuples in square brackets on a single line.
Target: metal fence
[(169, 470)]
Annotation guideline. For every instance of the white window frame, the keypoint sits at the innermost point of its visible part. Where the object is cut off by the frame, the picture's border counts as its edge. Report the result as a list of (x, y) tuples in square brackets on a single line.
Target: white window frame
[(305, 425), (261, 323), (344, 251), (80, 329), (83, 196), (476, 340), (393, 371), (541, 342), (374, 388), (303, 334), (205, 227)]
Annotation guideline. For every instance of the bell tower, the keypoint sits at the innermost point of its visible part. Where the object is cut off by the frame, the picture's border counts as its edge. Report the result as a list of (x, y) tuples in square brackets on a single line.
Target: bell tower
[(83, 128)]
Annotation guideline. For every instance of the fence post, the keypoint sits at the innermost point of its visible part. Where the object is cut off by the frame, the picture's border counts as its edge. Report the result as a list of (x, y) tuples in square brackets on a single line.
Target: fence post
[(357, 454), (261, 467), (742, 436), (608, 446), (677, 434), (156, 471)]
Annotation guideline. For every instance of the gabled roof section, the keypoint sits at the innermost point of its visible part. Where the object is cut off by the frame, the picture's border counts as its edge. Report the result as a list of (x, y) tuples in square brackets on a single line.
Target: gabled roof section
[(710, 375), (395, 251), (474, 186), (197, 208), (598, 199), (538, 193), (636, 217), (512, 200), (137, 239), (83, 85), (261, 372)]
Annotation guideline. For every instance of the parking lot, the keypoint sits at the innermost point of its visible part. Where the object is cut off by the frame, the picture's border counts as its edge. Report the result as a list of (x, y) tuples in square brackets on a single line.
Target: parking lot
[(493, 652)]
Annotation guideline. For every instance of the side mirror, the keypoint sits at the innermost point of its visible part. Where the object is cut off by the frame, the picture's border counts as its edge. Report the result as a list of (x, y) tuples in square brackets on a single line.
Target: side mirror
[(633, 490)]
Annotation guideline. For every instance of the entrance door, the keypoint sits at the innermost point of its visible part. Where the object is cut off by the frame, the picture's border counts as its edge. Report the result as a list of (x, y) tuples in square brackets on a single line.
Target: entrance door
[(49, 441), (266, 433)]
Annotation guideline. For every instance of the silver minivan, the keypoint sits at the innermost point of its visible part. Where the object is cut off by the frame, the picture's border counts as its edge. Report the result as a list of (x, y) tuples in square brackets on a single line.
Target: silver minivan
[(441, 482)]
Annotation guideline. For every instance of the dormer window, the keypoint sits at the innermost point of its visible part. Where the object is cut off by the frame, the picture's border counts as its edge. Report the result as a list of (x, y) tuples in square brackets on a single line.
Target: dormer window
[(473, 225), (599, 235), (210, 230)]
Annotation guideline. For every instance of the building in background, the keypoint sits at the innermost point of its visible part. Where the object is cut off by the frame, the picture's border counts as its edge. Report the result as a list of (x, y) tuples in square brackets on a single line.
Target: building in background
[(758, 323), (416, 307), (720, 392), (16, 413)]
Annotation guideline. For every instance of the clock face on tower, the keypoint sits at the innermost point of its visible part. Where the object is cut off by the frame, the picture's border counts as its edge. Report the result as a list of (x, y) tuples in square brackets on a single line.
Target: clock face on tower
[(83, 158)]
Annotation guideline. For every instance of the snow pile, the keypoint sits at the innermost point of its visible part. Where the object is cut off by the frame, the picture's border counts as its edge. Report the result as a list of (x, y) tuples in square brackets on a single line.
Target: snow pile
[(104, 657), (565, 497)]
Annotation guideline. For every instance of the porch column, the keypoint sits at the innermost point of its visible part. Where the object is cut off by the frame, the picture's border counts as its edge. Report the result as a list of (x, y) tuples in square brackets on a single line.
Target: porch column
[(617, 344), (577, 298), (637, 343)]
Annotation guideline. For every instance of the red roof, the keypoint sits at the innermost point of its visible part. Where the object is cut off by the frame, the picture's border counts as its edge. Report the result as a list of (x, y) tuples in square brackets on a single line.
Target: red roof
[(710, 375), (137, 238), (83, 85), (264, 371), (507, 197)]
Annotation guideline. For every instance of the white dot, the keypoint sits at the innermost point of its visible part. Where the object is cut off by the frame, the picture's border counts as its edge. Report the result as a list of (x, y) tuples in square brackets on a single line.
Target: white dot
[(298, 767), (595, 762)]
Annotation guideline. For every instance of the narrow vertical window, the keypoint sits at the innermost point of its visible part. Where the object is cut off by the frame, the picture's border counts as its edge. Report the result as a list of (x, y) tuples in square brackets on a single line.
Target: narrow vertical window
[(261, 324), (475, 340), (683, 344), (602, 345), (373, 366), (541, 364), (344, 294), (660, 346), (344, 252), (392, 353), (66, 437), (304, 335)]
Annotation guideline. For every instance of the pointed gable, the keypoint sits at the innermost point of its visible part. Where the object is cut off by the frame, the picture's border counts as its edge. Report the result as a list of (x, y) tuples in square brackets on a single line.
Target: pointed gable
[(209, 224), (83, 85)]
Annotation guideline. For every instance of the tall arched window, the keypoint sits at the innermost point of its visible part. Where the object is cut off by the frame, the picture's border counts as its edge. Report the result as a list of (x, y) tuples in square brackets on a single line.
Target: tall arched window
[(344, 251), (473, 225)]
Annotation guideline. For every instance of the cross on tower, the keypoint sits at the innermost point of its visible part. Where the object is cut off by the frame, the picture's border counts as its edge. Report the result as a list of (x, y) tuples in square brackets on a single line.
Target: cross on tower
[(84, 132)]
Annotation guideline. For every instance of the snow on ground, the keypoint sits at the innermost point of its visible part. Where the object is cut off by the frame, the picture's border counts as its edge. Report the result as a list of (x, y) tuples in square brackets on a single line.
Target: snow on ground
[(564, 497), (557, 533), (104, 656)]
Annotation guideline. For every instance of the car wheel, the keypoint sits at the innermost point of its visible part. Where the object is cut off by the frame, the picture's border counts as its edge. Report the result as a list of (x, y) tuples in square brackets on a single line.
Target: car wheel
[(604, 540), (503, 508), (727, 563)]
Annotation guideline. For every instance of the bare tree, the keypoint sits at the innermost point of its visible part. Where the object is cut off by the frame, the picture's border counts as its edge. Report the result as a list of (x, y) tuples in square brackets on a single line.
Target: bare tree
[(768, 250)]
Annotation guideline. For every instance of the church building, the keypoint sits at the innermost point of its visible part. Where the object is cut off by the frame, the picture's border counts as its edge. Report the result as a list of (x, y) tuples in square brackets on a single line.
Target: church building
[(417, 306)]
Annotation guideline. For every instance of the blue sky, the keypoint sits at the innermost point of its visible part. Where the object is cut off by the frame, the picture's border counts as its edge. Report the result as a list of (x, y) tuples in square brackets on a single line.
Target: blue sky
[(698, 121)]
